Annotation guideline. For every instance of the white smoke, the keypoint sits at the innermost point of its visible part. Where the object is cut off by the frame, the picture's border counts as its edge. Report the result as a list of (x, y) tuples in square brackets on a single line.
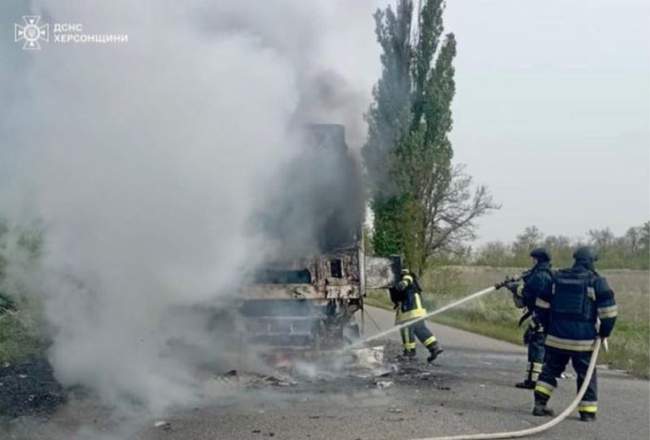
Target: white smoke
[(146, 161)]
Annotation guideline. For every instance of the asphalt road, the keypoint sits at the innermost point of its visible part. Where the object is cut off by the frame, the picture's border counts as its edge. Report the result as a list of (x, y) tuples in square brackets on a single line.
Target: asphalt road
[(469, 390)]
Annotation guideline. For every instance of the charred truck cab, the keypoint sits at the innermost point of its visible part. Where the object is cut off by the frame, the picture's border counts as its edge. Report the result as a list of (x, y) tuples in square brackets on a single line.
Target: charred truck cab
[(309, 302), (308, 297)]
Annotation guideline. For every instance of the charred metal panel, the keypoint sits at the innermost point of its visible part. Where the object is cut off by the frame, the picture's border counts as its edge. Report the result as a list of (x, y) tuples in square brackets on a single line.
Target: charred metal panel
[(333, 275), (281, 291), (281, 322), (381, 272)]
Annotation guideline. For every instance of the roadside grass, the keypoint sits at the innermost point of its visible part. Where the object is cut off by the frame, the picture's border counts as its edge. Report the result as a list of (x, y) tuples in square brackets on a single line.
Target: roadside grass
[(494, 315), (20, 335)]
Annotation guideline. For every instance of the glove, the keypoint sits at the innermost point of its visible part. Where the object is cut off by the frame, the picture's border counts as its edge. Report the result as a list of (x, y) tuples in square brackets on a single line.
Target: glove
[(513, 286)]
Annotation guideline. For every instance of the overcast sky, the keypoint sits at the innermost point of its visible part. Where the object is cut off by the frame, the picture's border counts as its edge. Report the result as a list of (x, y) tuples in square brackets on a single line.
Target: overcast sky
[(552, 110)]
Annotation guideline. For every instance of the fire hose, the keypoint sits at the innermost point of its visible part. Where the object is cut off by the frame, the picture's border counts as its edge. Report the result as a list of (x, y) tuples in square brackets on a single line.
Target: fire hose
[(541, 428), (499, 435), (422, 318)]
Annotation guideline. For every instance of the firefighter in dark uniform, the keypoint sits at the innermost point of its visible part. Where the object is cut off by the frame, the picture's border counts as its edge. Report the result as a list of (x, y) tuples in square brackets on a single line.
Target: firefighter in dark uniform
[(580, 309), (406, 295), (537, 280)]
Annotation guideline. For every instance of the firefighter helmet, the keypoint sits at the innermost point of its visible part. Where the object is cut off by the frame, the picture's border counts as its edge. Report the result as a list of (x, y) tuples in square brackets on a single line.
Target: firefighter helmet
[(585, 253), (540, 254)]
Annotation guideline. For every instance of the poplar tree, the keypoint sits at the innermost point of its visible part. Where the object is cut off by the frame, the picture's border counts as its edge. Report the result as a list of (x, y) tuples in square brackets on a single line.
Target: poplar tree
[(422, 203)]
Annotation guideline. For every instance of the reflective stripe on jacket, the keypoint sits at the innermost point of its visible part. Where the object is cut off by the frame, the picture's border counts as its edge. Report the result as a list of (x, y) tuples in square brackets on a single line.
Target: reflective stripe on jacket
[(406, 314), (411, 306), (575, 333)]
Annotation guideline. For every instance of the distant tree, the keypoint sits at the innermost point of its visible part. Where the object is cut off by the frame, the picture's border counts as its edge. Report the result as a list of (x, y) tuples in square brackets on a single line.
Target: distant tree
[(644, 237), (494, 253), (633, 239), (526, 241), (423, 205), (630, 251), (561, 249), (601, 238)]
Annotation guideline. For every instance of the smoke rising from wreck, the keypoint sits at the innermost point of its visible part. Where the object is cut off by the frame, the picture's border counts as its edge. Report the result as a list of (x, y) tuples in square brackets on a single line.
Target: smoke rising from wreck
[(147, 163)]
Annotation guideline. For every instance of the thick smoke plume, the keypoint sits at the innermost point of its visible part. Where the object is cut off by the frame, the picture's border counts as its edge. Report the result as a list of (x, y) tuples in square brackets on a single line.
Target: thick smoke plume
[(147, 163)]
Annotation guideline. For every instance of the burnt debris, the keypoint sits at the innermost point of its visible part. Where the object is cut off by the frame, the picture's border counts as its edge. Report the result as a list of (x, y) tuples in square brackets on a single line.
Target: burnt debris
[(29, 388)]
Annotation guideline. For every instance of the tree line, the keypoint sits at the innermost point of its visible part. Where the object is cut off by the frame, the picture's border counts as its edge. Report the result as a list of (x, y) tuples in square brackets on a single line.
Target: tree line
[(628, 251)]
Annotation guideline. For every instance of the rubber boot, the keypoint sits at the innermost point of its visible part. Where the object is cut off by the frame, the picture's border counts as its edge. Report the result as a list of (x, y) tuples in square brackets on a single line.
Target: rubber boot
[(587, 417), (540, 410), (526, 384), (410, 356), (434, 352), (407, 356)]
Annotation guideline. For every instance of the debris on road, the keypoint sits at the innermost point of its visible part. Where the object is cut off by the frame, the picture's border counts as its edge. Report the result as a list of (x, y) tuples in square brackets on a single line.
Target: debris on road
[(370, 358), (163, 424), (29, 388), (279, 382), (383, 384), (367, 369)]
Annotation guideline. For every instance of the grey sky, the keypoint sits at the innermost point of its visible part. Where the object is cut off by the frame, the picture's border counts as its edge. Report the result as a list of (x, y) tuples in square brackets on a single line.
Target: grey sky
[(552, 109)]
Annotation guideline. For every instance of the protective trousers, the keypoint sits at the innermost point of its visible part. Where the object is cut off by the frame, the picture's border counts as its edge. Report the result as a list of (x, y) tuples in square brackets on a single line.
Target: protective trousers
[(420, 331), (535, 341), (554, 364)]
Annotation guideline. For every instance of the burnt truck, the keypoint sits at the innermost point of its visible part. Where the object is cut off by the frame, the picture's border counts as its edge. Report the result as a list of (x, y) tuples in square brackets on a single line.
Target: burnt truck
[(310, 295)]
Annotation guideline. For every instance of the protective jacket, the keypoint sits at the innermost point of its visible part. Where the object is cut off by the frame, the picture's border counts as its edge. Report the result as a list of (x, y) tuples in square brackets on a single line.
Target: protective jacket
[(409, 305), (537, 281), (578, 308)]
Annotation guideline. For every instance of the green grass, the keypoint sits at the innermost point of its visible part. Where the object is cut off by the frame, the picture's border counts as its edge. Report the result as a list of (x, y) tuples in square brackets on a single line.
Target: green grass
[(494, 314), (16, 342), (20, 333)]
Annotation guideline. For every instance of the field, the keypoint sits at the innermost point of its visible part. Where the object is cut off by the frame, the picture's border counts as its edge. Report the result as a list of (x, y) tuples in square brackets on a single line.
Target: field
[(494, 315), (20, 333)]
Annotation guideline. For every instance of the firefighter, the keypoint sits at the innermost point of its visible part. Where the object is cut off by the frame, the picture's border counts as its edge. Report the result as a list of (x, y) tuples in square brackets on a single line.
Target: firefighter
[(536, 281), (406, 295), (580, 309)]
